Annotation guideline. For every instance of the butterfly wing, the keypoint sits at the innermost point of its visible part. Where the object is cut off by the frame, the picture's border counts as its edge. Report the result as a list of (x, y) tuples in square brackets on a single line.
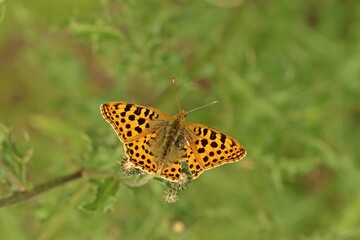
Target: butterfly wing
[(132, 121), (172, 172), (136, 125), (208, 148), (140, 155)]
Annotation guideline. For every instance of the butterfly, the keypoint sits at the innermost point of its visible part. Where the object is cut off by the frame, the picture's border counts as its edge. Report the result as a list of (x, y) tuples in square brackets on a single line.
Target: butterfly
[(158, 144)]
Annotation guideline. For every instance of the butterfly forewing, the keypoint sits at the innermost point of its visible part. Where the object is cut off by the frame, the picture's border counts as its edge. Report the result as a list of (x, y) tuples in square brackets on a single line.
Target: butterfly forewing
[(211, 148), (132, 121)]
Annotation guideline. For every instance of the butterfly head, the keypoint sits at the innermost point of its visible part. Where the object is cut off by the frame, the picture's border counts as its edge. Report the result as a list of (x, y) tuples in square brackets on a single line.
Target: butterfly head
[(181, 115)]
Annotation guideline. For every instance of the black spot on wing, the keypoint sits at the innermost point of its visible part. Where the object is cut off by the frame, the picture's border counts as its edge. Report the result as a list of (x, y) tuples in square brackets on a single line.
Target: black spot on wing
[(138, 111), (153, 116), (138, 129), (204, 142), (201, 150), (146, 113), (213, 135), (222, 138), (128, 107), (205, 131), (141, 121)]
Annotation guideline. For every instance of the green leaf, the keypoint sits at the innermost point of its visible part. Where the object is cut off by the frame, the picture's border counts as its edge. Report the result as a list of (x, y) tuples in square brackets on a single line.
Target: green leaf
[(106, 191), (13, 161)]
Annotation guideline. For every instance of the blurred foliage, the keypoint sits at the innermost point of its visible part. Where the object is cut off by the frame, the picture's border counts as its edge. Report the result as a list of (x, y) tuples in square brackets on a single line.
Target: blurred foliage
[(286, 74)]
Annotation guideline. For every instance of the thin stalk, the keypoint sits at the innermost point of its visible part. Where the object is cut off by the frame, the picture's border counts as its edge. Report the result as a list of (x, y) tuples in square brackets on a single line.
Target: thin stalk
[(22, 196)]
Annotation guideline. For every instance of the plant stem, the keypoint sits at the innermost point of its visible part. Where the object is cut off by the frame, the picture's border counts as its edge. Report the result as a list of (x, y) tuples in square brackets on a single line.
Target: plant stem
[(22, 196)]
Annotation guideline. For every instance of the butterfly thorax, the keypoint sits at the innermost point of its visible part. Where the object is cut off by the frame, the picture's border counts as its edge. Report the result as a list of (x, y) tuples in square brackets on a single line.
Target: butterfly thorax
[(171, 141)]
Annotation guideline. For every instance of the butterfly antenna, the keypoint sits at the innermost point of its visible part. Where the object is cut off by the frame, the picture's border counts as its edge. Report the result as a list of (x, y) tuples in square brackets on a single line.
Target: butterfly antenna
[(177, 99), (206, 105)]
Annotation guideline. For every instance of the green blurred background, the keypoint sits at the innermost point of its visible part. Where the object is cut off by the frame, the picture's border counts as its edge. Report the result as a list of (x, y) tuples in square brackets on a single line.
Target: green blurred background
[(287, 78)]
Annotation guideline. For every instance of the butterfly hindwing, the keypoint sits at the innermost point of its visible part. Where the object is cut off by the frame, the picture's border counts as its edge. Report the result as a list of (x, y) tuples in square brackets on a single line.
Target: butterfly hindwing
[(139, 153), (192, 158), (172, 172)]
